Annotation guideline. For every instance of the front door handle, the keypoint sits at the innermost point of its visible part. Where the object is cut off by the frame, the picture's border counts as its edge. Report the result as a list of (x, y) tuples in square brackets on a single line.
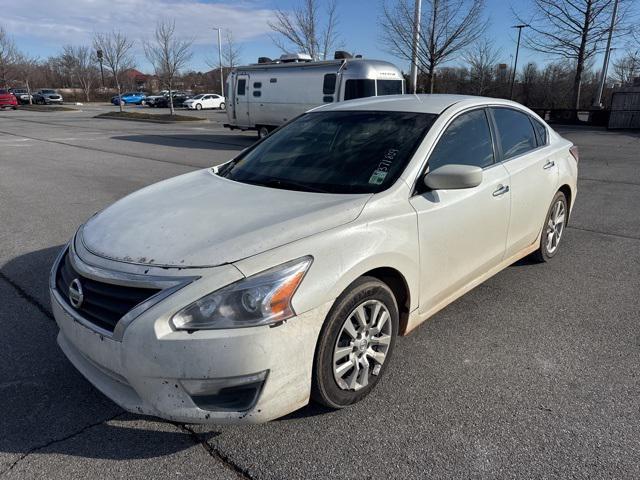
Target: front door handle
[(549, 164), (502, 189)]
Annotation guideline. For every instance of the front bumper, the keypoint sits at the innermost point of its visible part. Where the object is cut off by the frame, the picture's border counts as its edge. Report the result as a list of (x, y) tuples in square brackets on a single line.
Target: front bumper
[(152, 369)]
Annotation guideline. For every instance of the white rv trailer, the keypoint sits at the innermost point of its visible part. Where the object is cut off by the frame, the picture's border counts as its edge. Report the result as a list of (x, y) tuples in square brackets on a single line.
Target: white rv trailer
[(265, 95)]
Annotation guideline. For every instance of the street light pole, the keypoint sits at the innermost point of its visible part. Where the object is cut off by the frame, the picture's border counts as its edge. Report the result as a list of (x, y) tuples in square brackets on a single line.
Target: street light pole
[(414, 47), (220, 59), (515, 62), (597, 101)]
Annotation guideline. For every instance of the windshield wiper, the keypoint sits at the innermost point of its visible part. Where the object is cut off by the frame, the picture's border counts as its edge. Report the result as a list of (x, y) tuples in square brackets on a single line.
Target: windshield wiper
[(290, 185)]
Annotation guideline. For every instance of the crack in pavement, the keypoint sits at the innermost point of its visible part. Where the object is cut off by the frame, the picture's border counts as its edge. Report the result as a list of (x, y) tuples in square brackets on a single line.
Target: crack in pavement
[(145, 132), (619, 235), (22, 293), (215, 453), (102, 150), (58, 440), (623, 182)]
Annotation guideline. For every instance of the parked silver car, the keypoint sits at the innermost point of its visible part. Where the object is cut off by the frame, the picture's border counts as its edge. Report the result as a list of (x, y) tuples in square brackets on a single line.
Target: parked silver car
[(47, 96)]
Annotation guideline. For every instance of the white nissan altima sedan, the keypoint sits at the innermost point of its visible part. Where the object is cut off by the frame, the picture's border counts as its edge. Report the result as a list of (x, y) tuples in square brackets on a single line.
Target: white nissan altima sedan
[(240, 292)]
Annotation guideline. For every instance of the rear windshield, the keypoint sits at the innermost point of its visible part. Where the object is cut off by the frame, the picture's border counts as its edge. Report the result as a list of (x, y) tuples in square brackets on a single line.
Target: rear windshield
[(3, 91), (334, 152)]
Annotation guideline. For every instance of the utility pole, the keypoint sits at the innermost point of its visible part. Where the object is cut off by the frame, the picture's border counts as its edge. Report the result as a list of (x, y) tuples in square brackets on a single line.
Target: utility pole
[(515, 62), (220, 59), (597, 101), (414, 49)]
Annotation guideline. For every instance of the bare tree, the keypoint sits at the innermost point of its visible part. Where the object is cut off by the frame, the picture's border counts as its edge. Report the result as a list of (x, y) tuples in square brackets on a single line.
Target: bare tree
[(482, 58), (627, 68), (80, 63), (116, 50), (231, 51), (447, 28), (572, 29), (26, 69), (304, 30), (8, 57), (168, 54)]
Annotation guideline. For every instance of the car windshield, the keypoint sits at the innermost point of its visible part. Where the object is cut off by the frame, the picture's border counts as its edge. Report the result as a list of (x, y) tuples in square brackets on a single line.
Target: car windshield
[(48, 91), (333, 152), (198, 97), (3, 91)]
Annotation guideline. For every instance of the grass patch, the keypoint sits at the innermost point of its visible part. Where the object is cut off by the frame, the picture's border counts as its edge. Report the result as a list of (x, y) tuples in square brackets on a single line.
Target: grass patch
[(165, 117), (46, 108)]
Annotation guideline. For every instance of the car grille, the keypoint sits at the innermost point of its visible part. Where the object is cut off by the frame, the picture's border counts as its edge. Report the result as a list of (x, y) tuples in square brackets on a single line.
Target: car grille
[(104, 304)]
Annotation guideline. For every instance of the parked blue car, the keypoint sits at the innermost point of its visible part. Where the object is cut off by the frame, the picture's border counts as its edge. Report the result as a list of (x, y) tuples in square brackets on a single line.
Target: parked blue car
[(136, 98)]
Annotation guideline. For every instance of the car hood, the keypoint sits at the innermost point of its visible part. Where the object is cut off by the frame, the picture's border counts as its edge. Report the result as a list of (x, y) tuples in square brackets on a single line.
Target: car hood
[(201, 220)]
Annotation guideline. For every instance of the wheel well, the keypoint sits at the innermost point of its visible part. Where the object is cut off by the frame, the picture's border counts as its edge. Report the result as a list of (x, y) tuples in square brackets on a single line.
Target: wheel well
[(398, 285), (566, 189)]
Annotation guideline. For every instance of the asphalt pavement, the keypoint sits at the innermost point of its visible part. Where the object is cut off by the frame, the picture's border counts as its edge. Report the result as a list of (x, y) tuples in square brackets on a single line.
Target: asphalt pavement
[(533, 374)]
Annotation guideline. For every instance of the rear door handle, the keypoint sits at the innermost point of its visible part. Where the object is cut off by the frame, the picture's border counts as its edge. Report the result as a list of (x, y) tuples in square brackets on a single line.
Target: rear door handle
[(502, 189), (549, 164)]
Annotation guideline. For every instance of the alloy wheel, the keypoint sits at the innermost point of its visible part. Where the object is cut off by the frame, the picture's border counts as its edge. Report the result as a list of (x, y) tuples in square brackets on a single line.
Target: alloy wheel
[(555, 226), (362, 345)]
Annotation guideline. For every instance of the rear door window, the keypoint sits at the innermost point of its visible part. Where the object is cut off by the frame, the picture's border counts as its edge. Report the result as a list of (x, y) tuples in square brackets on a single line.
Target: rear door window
[(466, 141), (515, 132), (359, 89), (242, 85)]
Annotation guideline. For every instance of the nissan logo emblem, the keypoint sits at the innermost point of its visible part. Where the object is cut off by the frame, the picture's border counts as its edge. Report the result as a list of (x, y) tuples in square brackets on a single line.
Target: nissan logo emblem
[(75, 293)]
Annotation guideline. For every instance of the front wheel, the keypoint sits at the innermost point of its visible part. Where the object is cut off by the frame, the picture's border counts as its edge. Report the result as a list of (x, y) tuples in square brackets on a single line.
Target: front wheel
[(355, 343), (553, 229), (198, 106)]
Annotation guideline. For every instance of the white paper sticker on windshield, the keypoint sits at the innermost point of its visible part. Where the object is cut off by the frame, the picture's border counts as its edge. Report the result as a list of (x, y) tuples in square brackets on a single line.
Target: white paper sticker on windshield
[(377, 177)]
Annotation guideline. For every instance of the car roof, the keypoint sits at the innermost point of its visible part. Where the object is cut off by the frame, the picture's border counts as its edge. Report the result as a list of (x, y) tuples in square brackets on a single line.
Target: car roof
[(422, 103)]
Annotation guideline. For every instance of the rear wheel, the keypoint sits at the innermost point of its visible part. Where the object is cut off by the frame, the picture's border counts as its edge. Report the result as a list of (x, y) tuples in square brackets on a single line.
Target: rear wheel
[(553, 229), (355, 343), (222, 106), (263, 132)]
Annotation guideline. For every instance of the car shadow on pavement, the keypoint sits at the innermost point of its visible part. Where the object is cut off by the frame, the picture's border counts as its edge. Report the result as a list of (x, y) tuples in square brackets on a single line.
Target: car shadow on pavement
[(205, 141), (45, 404)]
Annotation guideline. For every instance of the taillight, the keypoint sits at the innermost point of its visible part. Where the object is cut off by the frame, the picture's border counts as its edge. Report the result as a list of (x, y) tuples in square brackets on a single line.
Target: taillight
[(575, 153)]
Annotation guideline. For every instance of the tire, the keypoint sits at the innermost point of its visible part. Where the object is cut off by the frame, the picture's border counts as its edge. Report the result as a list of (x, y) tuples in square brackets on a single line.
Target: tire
[(222, 106), (198, 106), (263, 132), (344, 369), (143, 102), (553, 229)]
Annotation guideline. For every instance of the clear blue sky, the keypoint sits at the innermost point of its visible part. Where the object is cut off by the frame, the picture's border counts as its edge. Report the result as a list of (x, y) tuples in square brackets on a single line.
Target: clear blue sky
[(42, 31)]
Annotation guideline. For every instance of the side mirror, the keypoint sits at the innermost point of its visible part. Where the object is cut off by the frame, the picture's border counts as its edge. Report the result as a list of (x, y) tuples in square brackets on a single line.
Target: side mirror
[(453, 177)]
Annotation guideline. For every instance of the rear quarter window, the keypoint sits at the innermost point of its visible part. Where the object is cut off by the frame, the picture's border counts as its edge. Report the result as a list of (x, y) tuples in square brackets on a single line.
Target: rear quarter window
[(541, 132)]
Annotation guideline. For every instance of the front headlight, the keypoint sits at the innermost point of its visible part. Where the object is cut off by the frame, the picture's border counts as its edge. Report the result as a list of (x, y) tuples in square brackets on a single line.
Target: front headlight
[(261, 299)]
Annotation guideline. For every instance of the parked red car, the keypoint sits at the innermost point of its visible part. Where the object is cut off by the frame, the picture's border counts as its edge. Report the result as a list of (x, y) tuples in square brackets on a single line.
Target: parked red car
[(7, 99)]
